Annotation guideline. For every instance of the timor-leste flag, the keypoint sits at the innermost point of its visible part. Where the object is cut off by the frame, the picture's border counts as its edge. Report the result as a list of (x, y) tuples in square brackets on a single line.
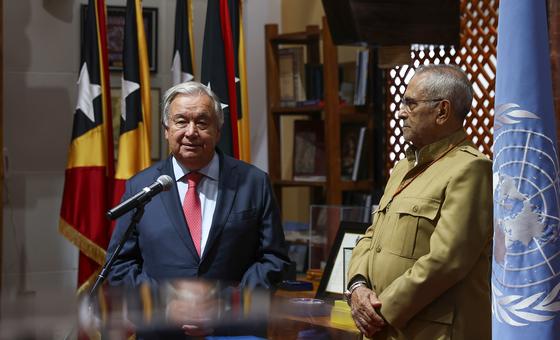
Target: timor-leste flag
[(243, 116), (183, 58), (224, 54), (236, 22), (89, 171), (218, 70), (134, 144)]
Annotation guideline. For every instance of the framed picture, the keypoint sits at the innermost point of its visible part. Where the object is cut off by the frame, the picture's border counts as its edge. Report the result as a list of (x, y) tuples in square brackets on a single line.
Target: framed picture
[(346, 255), (309, 151), (115, 34), (291, 73), (156, 133), (333, 281), (351, 146)]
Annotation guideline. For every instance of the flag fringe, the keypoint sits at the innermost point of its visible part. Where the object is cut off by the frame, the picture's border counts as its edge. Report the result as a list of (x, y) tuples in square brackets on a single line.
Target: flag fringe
[(84, 244)]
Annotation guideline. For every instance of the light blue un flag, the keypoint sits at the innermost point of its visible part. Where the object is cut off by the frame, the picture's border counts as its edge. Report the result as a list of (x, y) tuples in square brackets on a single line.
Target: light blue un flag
[(526, 261)]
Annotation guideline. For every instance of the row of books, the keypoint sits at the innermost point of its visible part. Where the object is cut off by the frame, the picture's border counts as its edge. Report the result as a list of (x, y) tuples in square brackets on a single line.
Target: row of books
[(309, 151), (302, 83)]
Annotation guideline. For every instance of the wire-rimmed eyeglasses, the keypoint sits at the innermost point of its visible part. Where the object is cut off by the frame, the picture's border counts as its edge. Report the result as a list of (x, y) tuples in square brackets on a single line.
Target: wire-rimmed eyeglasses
[(409, 104)]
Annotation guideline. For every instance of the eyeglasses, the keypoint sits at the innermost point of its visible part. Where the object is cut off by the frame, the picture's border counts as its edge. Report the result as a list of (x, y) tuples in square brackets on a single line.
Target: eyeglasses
[(409, 104)]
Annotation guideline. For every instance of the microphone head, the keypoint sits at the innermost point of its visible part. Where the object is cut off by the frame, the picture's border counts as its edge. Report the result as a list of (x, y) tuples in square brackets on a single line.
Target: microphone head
[(165, 181)]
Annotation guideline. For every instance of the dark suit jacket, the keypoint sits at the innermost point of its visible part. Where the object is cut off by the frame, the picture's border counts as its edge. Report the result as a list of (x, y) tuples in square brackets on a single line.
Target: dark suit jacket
[(245, 244)]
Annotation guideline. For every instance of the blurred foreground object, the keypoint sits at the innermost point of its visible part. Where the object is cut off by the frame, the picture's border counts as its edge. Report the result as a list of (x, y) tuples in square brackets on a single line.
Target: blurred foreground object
[(175, 308)]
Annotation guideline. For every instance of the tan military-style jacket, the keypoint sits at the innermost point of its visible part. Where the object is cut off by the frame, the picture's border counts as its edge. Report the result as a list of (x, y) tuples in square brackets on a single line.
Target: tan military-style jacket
[(427, 252)]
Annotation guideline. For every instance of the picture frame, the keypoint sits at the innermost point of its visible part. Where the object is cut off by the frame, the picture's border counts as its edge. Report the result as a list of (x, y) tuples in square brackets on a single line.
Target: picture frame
[(156, 138), (291, 75), (347, 256), (333, 281), (351, 148), (115, 34), (309, 151)]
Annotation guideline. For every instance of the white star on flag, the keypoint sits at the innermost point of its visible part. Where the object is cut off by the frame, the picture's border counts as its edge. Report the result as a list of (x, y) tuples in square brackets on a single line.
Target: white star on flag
[(223, 105), (127, 88), (178, 76), (87, 92)]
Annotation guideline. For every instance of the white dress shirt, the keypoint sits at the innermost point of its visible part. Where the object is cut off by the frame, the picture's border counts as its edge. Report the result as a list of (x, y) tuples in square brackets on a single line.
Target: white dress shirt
[(207, 192)]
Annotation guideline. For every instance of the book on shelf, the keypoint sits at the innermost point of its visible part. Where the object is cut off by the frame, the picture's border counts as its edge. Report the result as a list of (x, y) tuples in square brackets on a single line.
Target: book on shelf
[(309, 151), (314, 81), (359, 164), (347, 81), (360, 87), (352, 145), (292, 75)]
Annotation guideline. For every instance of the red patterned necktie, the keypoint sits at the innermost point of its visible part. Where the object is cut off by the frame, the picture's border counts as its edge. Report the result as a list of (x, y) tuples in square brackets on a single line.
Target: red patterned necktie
[(192, 210)]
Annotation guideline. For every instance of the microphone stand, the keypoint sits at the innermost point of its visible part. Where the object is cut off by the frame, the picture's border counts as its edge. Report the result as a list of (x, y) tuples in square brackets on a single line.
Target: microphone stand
[(139, 212), (107, 266)]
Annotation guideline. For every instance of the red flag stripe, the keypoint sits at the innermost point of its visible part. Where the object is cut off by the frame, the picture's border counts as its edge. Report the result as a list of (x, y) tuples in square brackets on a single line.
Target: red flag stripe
[(227, 35), (108, 115)]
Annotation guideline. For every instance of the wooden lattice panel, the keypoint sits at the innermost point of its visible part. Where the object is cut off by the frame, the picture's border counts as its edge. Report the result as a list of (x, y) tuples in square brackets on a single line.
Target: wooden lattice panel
[(477, 57)]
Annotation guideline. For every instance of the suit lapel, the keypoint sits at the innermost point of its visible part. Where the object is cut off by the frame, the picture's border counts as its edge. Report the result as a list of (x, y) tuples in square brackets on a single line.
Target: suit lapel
[(227, 190), (174, 209)]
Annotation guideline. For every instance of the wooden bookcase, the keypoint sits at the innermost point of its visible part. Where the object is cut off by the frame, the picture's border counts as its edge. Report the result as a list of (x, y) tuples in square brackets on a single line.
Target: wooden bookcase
[(332, 113)]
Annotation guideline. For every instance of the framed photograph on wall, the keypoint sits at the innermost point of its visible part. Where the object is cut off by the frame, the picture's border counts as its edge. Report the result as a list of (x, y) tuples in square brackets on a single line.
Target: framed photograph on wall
[(333, 281), (156, 129), (115, 34)]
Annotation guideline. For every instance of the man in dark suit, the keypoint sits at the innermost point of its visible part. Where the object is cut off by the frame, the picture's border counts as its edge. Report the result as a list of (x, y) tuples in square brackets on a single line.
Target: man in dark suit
[(219, 222)]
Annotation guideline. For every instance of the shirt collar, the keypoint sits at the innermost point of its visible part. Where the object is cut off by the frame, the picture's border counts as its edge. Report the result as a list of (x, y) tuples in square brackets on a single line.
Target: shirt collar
[(431, 151), (211, 170)]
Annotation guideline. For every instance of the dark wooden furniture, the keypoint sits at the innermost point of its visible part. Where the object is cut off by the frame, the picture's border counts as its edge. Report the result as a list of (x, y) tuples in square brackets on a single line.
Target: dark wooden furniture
[(393, 22), (333, 114)]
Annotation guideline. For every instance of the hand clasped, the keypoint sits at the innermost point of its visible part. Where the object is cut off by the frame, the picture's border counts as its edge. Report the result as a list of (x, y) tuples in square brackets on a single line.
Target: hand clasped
[(364, 303)]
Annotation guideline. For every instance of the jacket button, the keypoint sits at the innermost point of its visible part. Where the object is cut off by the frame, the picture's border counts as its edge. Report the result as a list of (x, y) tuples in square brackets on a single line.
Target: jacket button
[(378, 249), (415, 208)]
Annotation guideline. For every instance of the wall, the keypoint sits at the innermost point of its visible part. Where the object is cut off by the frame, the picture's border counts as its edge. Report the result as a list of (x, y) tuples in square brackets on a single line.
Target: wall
[(41, 39)]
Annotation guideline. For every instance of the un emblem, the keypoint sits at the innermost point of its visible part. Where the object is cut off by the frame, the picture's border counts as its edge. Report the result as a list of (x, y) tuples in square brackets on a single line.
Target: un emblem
[(526, 263)]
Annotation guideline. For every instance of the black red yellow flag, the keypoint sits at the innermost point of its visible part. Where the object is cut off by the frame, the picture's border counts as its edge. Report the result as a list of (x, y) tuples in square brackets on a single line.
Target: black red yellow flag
[(218, 70), (243, 123), (223, 69), (134, 142), (89, 171), (182, 64)]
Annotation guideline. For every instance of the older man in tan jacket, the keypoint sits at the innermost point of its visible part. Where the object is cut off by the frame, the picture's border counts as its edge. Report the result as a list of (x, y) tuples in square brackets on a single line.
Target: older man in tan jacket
[(422, 269)]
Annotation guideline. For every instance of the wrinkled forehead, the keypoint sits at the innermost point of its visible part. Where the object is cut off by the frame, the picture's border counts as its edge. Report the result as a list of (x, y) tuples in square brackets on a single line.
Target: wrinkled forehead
[(191, 103)]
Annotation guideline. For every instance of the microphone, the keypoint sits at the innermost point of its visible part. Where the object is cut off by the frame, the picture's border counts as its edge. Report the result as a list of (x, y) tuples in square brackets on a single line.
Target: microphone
[(163, 183)]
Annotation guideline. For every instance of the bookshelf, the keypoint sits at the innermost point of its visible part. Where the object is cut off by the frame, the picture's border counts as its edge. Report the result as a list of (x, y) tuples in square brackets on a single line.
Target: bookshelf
[(332, 113)]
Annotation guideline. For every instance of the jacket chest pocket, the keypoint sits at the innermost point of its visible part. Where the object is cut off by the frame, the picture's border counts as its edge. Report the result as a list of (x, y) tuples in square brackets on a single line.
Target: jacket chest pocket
[(414, 221), (246, 219)]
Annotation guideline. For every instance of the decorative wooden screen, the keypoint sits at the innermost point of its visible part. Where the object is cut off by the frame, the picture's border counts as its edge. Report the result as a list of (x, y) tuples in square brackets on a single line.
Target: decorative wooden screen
[(477, 57)]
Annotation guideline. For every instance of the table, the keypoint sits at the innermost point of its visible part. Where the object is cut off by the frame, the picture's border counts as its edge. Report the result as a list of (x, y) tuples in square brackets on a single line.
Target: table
[(285, 325)]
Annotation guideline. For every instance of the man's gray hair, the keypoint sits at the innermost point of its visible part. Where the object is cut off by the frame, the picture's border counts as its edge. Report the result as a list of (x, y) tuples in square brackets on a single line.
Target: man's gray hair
[(448, 82), (191, 89)]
